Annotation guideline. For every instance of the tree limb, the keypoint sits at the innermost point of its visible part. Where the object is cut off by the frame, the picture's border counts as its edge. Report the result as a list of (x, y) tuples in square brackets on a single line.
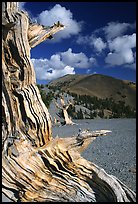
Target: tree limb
[(39, 33)]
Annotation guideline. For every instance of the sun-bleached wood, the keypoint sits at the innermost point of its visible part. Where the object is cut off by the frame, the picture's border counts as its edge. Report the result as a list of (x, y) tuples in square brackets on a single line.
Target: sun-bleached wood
[(35, 166), (64, 108)]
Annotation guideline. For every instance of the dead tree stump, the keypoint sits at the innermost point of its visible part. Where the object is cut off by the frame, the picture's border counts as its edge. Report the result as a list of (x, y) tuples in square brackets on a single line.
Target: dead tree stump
[(64, 108)]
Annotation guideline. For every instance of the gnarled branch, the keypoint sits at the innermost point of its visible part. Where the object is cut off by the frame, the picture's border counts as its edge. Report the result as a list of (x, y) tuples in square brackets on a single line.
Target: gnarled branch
[(39, 33)]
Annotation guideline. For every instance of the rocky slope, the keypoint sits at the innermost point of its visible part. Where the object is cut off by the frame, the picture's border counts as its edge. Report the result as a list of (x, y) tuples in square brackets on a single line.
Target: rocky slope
[(98, 85)]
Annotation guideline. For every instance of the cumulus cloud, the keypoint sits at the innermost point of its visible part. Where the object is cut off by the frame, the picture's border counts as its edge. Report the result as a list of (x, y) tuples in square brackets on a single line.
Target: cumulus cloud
[(83, 39), (61, 64), (124, 42), (58, 73), (45, 72), (119, 58), (59, 13), (95, 42), (133, 65), (79, 60), (108, 32), (98, 44), (115, 29), (119, 47), (121, 50)]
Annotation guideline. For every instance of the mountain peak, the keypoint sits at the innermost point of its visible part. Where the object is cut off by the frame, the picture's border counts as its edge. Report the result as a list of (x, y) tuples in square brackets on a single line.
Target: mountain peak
[(98, 85)]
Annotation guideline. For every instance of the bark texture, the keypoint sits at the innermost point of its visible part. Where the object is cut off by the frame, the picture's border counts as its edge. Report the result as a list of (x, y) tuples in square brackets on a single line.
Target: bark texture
[(35, 166)]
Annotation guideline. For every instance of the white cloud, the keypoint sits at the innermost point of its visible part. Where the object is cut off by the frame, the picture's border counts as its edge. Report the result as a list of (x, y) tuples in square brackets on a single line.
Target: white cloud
[(119, 58), (59, 73), (133, 65), (79, 60), (61, 64), (124, 42), (115, 29), (98, 44), (109, 32), (119, 47), (55, 62), (121, 50), (83, 39), (46, 72), (95, 42), (93, 61), (59, 13)]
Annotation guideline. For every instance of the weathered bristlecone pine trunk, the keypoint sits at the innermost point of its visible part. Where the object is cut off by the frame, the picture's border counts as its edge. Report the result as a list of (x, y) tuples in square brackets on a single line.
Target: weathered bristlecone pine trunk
[(35, 166), (64, 108)]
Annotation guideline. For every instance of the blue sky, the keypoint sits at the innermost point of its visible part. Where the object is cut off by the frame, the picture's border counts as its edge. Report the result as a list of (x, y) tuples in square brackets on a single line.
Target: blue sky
[(99, 37)]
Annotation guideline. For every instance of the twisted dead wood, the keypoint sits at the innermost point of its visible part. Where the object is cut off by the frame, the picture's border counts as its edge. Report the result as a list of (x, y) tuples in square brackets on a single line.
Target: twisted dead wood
[(64, 108), (35, 166)]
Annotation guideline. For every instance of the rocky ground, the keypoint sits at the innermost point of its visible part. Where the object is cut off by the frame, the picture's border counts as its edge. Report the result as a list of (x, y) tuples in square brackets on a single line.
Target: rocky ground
[(116, 153)]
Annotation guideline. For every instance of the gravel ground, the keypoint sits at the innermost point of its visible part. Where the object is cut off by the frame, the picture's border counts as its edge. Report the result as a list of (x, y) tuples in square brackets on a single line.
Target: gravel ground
[(116, 153)]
